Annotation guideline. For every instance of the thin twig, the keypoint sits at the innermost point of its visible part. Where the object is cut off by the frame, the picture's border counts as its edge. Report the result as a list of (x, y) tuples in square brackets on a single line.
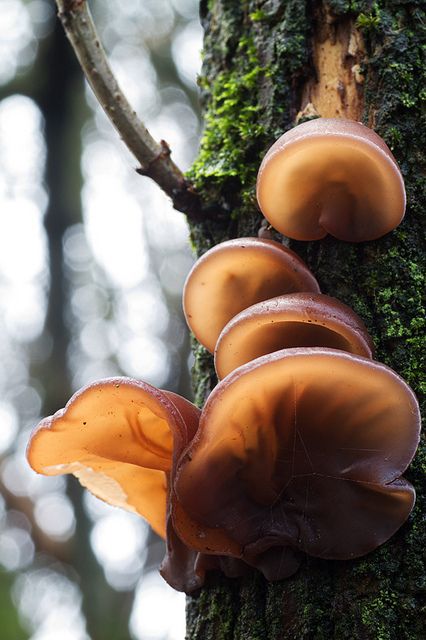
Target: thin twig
[(154, 158)]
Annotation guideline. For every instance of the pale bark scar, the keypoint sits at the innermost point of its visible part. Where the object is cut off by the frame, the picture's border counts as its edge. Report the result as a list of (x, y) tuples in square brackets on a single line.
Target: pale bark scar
[(337, 90)]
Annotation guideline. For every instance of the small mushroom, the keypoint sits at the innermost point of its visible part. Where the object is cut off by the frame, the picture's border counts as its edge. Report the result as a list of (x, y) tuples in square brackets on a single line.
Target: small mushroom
[(331, 176), (292, 320), (234, 275), (119, 437), (301, 451)]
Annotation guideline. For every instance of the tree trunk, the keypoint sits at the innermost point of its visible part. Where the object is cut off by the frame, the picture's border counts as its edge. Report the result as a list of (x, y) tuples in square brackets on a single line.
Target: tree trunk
[(267, 66)]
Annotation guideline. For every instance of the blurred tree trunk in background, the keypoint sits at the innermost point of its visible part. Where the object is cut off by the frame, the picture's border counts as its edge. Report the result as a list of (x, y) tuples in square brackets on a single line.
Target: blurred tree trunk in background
[(268, 65), (61, 101)]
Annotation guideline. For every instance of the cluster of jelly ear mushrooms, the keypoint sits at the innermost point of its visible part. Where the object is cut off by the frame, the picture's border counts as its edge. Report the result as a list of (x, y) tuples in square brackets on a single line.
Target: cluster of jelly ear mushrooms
[(248, 297), (302, 411), (298, 380)]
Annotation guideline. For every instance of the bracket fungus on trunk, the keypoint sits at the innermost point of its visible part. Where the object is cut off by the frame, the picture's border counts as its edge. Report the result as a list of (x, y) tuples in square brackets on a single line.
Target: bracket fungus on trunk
[(236, 274), (331, 175), (120, 438), (301, 450), (301, 447), (293, 320)]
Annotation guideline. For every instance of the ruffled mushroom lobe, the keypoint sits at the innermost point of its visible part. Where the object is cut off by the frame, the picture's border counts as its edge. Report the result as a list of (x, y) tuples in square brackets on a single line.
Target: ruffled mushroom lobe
[(234, 275), (119, 437), (331, 176), (293, 320), (302, 451)]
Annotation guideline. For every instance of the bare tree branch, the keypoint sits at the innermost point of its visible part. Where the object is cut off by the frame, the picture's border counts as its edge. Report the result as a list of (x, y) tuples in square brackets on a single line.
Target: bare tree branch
[(153, 157)]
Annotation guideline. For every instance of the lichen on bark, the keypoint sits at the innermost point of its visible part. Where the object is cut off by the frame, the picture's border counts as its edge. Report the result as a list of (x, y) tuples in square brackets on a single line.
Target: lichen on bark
[(258, 60)]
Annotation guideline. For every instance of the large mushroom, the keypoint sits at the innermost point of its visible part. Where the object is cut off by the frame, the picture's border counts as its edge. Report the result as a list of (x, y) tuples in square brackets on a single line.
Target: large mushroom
[(119, 437), (331, 176), (236, 274), (298, 451), (292, 320)]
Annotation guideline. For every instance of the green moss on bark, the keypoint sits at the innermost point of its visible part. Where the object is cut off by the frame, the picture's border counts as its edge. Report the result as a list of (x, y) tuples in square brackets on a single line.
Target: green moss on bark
[(247, 88), (383, 595)]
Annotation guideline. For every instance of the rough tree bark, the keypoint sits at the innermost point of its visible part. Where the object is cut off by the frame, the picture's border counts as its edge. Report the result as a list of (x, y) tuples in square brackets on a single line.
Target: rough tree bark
[(267, 65)]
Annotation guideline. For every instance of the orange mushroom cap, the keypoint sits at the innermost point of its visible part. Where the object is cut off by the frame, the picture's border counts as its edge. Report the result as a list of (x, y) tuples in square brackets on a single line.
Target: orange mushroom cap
[(331, 176), (301, 451), (293, 320), (120, 438), (234, 275)]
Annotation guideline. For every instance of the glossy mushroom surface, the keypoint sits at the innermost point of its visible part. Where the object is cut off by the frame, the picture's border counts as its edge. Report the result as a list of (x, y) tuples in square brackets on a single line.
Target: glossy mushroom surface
[(302, 451), (331, 176), (119, 437), (293, 320), (234, 275)]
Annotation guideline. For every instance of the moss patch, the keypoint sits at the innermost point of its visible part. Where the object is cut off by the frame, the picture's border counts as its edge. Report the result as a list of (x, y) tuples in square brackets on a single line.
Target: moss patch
[(246, 87)]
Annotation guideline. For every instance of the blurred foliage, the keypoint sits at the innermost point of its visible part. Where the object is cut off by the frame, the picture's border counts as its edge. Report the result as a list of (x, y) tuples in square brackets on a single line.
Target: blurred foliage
[(10, 627)]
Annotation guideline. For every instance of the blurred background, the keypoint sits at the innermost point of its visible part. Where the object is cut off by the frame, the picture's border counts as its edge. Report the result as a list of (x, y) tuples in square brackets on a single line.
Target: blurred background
[(92, 262)]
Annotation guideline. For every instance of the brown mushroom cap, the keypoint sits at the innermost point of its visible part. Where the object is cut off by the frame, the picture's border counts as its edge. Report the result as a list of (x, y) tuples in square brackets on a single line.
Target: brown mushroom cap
[(302, 448), (117, 436), (234, 275), (331, 176), (293, 320)]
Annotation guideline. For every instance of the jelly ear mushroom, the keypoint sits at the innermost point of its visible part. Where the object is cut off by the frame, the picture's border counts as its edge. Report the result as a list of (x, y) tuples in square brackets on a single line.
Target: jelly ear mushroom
[(293, 320), (331, 176), (302, 450), (120, 438), (234, 275)]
